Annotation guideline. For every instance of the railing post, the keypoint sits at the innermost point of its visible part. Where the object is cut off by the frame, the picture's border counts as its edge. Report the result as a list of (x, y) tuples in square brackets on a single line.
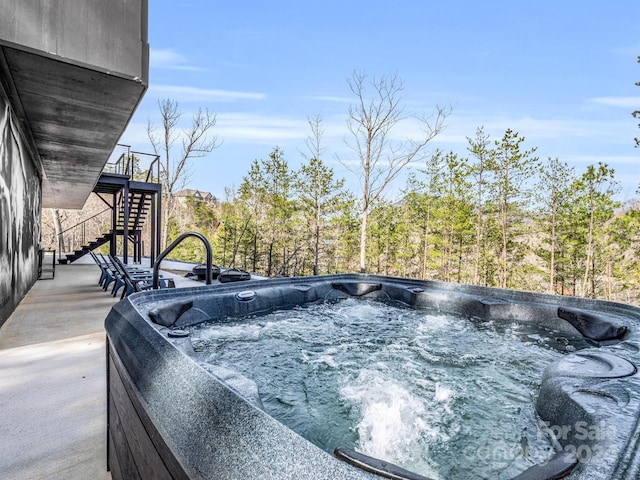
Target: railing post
[(114, 226), (159, 239), (152, 254), (125, 226)]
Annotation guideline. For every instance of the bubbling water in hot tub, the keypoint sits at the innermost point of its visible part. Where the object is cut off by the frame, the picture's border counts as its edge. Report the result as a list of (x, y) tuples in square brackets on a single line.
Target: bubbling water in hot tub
[(445, 397)]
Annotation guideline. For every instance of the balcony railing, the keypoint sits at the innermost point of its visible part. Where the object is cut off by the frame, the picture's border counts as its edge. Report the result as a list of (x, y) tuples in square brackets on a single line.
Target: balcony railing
[(139, 166)]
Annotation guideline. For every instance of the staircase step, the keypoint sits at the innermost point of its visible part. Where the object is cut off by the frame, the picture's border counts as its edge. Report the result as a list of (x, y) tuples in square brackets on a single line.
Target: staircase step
[(134, 214), (134, 210)]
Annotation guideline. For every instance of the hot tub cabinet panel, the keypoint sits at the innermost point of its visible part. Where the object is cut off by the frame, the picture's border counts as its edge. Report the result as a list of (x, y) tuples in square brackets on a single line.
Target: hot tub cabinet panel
[(170, 415)]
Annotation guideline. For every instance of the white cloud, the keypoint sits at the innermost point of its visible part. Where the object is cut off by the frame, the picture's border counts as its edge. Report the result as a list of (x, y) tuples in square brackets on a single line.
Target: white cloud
[(239, 128), (464, 124), (332, 99), (167, 56), (169, 59), (622, 102), (272, 130), (263, 129), (188, 94)]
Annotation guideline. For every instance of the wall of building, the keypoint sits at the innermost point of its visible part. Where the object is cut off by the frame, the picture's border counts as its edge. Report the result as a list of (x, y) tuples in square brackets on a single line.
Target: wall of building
[(20, 212), (108, 34)]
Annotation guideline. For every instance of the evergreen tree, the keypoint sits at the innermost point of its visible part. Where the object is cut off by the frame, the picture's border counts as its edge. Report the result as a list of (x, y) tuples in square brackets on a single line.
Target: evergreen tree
[(624, 236), (595, 206), (417, 207), (320, 196), (235, 231), (512, 170), (268, 189), (252, 195), (554, 196), (480, 151), (457, 215)]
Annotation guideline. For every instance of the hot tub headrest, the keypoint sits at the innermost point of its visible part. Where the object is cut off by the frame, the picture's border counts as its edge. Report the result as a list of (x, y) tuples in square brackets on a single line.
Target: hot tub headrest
[(356, 289), (596, 326), (166, 314)]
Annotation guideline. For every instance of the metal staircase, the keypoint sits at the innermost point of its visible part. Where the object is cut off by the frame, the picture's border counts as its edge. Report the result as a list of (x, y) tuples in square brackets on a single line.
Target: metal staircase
[(132, 198), (70, 257)]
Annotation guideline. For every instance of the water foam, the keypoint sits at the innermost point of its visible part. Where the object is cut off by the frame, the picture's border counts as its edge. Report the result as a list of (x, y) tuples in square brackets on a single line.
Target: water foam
[(391, 423), (443, 394)]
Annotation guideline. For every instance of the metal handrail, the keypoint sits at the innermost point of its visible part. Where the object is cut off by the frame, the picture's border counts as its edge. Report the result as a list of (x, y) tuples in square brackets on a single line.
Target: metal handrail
[(176, 242), (85, 220), (76, 236)]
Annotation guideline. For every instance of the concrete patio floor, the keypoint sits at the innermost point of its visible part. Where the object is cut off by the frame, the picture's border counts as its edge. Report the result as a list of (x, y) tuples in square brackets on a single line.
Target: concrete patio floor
[(53, 418), (52, 380)]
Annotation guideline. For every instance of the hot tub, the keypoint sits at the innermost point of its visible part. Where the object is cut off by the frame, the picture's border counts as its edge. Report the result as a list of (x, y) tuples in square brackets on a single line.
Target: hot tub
[(172, 413)]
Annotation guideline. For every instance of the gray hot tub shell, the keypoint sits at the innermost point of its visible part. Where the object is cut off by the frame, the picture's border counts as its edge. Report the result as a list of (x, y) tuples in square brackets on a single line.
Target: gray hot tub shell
[(171, 415)]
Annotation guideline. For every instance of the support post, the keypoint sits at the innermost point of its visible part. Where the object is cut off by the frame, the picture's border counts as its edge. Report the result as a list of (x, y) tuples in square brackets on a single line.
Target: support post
[(152, 253), (114, 224), (125, 226)]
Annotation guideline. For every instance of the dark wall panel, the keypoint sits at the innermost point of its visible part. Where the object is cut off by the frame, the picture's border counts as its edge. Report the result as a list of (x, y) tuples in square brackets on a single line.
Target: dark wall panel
[(111, 35), (20, 211)]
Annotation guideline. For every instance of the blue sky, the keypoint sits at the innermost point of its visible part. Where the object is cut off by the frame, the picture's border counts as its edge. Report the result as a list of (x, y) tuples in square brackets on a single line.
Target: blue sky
[(561, 73)]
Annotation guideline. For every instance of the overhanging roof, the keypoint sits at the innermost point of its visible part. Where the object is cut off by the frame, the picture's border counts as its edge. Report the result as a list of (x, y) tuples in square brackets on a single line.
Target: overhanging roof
[(72, 116)]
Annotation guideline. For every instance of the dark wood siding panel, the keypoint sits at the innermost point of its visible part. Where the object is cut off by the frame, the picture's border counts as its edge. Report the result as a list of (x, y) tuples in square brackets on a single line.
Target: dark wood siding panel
[(124, 418), (114, 465)]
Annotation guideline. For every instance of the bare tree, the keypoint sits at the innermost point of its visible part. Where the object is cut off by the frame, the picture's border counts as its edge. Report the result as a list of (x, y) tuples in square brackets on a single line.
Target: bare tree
[(313, 142), (57, 225), (372, 120), (196, 141)]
